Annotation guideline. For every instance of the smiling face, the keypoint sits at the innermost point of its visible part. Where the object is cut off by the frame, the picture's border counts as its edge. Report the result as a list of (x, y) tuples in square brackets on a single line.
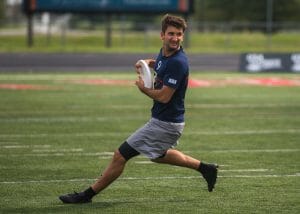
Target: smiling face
[(172, 39)]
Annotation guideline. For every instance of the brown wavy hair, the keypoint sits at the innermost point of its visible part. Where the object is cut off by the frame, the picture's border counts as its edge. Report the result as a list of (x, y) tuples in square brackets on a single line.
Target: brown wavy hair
[(175, 21)]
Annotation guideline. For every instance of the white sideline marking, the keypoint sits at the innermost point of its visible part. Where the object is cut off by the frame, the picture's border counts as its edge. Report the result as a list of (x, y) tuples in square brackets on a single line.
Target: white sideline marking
[(220, 170), (58, 150), (67, 119), (23, 146), (143, 162), (58, 154), (133, 107), (256, 150), (215, 106), (244, 170), (108, 155), (245, 105), (43, 135), (149, 178), (4, 143), (93, 119), (199, 105), (101, 134), (219, 176), (243, 132)]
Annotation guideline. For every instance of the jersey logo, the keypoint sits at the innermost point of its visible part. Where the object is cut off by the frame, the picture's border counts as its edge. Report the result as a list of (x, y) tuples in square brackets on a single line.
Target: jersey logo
[(172, 81), (158, 65)]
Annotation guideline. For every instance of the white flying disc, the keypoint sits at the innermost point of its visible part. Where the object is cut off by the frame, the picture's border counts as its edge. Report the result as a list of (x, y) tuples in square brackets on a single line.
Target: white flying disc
[(145, 73)]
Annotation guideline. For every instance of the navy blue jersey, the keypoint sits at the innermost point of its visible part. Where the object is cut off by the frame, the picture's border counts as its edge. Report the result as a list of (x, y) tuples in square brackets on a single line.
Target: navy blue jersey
[(172, 71)]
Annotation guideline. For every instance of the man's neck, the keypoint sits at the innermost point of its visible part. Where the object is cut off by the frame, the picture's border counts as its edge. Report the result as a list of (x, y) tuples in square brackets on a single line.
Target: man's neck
[(169, 53)]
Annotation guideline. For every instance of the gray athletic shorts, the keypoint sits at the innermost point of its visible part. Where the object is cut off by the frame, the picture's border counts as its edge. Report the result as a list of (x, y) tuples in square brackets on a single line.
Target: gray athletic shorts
[(155, 138)]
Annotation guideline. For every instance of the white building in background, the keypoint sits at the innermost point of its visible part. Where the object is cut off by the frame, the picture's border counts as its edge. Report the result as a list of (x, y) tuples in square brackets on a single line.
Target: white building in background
[(43, 23), (13, 14), (13, 2)]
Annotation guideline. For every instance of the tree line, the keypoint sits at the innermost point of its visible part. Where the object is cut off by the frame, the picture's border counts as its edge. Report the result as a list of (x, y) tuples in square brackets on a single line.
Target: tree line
[(226, 11), (246, 10)]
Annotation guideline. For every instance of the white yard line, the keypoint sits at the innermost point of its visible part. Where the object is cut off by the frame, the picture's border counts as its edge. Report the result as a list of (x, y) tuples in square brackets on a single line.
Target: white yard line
[(5, 143), (101, 134), (136, 106), (143, 162), (67, 119), (242, 105), (108, 155), (59, 154), (245, 170), (23, 146), (149, 178), (256, 150), (220, 170), (246, 151), (57, 150), (42, 135), (214, 106), (244, 132), (108, 118)]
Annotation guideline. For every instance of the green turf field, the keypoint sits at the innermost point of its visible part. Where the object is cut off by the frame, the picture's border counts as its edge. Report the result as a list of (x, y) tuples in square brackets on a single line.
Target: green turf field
[(57, 134)]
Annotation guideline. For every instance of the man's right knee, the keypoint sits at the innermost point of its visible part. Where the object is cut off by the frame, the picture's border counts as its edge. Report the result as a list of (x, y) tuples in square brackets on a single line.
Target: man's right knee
[(127, 152), (118, 157)]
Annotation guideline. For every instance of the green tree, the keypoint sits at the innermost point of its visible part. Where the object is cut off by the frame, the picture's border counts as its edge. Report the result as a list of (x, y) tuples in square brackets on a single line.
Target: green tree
[(2, 4), (245, 10), (286, 10)]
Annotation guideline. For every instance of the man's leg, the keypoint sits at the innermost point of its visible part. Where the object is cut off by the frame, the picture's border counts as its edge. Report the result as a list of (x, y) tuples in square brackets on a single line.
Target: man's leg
[(110, 174), (177, 158)]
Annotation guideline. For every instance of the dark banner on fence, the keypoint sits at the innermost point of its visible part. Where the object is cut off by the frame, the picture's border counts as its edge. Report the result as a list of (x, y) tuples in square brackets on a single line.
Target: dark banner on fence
[(111, 6), (270, 62)]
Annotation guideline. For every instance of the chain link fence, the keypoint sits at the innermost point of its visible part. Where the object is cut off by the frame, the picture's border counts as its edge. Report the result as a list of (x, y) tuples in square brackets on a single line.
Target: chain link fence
[(123, 31)]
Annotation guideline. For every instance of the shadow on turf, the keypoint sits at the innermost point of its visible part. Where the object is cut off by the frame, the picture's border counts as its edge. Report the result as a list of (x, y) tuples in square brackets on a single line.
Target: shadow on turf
[(57, 208), (67, 208)]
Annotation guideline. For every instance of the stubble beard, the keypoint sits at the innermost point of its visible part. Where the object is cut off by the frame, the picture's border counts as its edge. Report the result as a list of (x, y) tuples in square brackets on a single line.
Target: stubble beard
[(171, 49)]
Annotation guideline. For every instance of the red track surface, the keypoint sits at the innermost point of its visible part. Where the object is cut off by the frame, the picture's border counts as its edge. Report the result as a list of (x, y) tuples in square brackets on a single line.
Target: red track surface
[(193, 83)]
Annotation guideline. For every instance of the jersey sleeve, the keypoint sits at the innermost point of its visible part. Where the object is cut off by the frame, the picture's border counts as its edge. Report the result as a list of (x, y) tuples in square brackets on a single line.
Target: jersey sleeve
[(176, 72)]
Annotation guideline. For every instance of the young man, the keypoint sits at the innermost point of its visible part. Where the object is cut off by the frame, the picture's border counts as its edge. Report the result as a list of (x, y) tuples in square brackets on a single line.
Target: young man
[(157, 137)]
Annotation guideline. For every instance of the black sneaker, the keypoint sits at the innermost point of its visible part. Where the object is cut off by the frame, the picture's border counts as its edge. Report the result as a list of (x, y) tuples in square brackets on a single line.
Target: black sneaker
[(210, 175), (75, 198)]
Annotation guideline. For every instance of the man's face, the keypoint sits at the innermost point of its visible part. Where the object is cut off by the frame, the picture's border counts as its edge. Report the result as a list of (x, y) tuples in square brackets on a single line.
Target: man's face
[(172, 38)]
